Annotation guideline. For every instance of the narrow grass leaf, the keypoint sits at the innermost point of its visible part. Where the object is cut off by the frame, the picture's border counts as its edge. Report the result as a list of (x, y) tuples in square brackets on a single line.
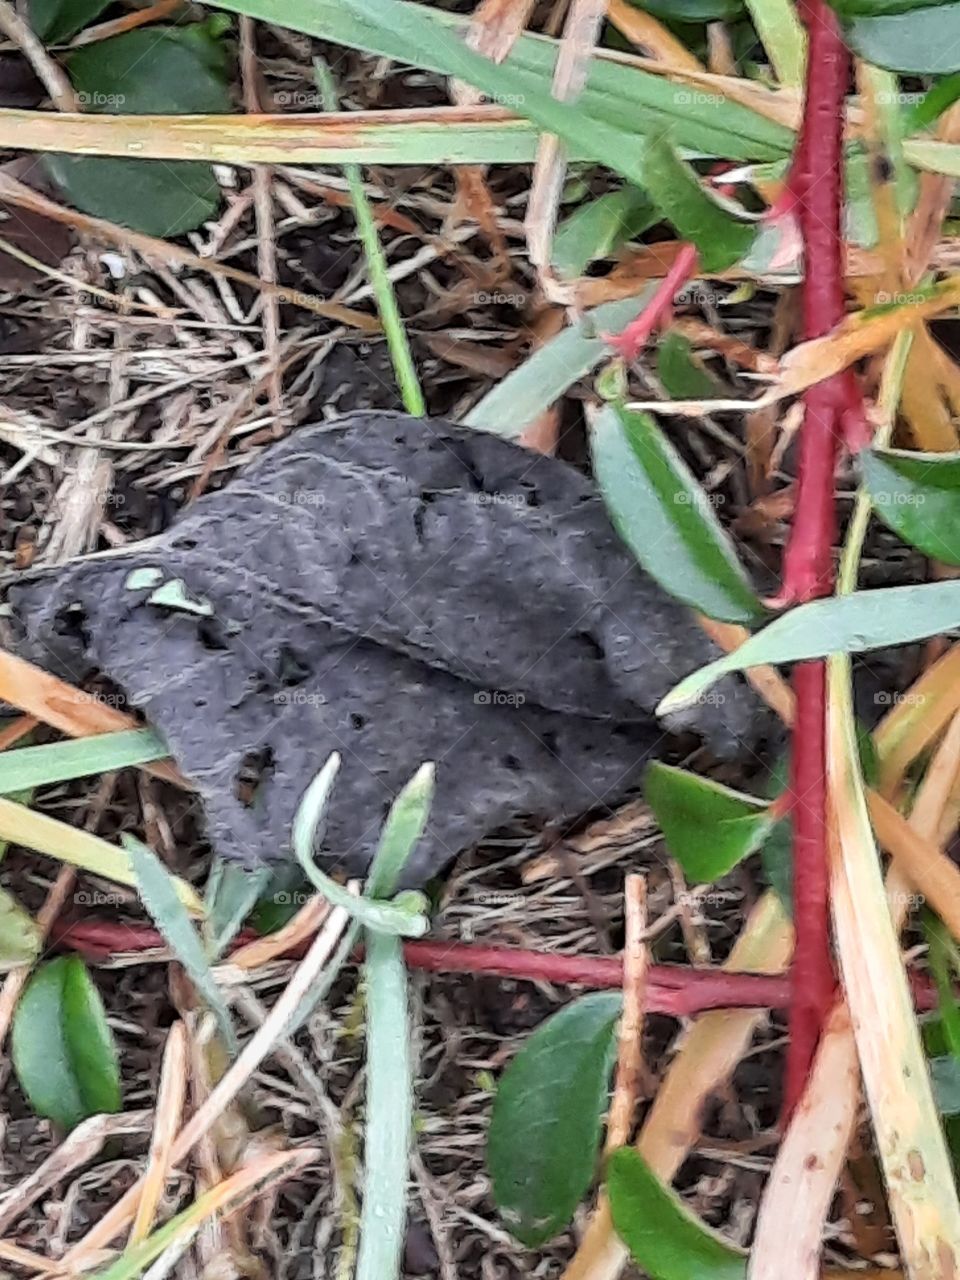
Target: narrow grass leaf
[(599, 227), (545, 1129), (20, 939), (396, 917), (522, 395), (389, 1110), (855, 623), (63, 1051), (664, 1238), (918, 496), (708, 827), (721, 239), (616, 92), (29, 767), (231, 894), (665, 518), (168, 913), (910, 1140), (390, 1065), (404, 826), (782, 36), (40, 832), (396, 335)]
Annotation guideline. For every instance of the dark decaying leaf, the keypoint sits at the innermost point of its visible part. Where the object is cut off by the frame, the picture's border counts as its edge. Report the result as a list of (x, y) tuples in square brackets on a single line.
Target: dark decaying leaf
[(30, 232), (397, 590), (545, 1128)]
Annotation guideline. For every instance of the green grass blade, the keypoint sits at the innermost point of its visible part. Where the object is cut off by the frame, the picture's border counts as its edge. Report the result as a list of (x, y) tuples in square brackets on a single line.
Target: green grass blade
[(29, 767), (400, 354), (389, 1111), (783, 38), (404, 826), (405, 918), (231, 894), (169, 915), (615, 91)]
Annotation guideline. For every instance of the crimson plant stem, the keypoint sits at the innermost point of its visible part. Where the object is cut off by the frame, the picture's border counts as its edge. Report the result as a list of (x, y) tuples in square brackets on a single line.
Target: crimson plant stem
[(829, 408)]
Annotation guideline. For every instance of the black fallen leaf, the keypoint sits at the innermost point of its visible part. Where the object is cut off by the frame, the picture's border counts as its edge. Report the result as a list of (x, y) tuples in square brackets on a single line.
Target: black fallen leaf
[(397, 590)]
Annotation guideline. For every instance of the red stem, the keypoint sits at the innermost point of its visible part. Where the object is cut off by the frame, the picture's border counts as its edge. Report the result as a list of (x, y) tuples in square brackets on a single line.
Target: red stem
[(637, 333), (830, 407), (672, 989)]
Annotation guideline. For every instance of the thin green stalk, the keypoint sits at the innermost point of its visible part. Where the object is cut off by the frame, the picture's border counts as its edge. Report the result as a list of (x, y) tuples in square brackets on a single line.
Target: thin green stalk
[(887, 402), (400, 355)]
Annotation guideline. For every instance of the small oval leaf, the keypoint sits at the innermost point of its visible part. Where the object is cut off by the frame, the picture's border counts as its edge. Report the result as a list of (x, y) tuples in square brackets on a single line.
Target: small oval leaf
[(918, 496), (547, 1113), (665, 517), (665, 1240), (160, 71), (599, 227), (63, 1050), (57, 20), (708, 828)]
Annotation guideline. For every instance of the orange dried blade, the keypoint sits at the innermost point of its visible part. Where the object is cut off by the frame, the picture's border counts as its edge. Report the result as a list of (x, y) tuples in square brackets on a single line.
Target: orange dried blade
[(81, 715)]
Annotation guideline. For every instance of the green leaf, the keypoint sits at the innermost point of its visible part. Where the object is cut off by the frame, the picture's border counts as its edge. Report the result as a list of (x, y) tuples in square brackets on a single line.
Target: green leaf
[(694, 10), (877, 8), (708, 828), (600, 227), (776, 855), (925, 41), (855, 623), (55, 21), (405, 824), (285, 892), (389, 1127), (156, 888), (63, 1050), (405, 918), (945, 1075), (29, 767), (721, 239), (615, 93), (534, 385), (20, 939), (165, 71), (918, 496), (545, 1128), (665, 1240), (682, 374), (231, 894), (664, 516)]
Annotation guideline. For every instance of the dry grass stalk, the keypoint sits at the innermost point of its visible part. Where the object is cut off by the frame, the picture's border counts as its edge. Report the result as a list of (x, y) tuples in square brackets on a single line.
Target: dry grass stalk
[(630, 1051), (167, 1117)]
